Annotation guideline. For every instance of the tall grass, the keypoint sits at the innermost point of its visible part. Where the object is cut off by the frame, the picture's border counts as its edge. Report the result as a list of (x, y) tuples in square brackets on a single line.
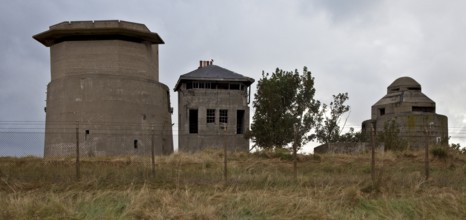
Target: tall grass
[(260, 186)]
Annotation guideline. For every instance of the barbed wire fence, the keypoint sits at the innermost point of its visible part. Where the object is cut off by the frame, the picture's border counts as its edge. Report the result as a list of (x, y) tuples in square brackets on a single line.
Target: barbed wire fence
[(29, 136)]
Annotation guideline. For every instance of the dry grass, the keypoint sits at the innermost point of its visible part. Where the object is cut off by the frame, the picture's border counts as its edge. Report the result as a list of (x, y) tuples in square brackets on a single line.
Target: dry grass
[(261, 186)]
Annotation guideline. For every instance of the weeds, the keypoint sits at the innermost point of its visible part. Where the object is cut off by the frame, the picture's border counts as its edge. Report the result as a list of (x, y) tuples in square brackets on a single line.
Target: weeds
[(190, 186)]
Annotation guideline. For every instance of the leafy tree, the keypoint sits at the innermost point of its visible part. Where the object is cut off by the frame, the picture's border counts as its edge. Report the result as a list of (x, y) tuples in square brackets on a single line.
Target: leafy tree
[(328, 129), (284, 103), (457, 148), (351, 136), (390, 137)]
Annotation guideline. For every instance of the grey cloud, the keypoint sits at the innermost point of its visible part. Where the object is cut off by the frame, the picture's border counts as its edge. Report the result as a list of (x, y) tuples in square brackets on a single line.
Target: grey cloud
[(358, 47)]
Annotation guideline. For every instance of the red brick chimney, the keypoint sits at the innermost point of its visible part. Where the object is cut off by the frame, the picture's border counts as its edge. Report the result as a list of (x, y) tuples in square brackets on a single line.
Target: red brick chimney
[(204, 63)]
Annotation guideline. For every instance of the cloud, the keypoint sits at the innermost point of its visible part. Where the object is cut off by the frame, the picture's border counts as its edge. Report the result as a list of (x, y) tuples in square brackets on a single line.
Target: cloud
[(358, 47)]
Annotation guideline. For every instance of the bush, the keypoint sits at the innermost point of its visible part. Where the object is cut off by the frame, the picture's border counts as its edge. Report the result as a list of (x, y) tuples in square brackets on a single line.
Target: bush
[(439, 152)]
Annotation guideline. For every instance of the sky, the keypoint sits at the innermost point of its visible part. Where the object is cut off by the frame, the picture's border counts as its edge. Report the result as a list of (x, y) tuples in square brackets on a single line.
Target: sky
[(358, 46)]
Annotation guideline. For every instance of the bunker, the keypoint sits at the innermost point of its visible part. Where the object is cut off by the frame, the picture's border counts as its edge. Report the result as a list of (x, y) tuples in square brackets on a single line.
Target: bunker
[(105, 89)]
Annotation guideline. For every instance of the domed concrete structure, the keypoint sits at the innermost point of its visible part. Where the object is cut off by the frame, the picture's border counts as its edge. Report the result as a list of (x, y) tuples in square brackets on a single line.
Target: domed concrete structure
[(412, 111), (104, 79)]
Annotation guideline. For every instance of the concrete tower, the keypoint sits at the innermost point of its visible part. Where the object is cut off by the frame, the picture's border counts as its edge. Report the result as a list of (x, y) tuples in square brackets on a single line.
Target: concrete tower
[(104, 79), (213, 108), (412, 111)]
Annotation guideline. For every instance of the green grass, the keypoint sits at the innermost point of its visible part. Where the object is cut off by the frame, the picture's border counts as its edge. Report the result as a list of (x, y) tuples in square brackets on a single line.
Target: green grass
[(260, 186)]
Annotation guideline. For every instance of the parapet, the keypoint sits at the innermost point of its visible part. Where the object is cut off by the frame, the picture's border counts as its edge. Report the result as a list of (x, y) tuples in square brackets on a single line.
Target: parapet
[(97, 30)]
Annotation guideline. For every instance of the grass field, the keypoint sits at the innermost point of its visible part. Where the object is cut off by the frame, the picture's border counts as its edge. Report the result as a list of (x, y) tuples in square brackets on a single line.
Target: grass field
[(260, 186)]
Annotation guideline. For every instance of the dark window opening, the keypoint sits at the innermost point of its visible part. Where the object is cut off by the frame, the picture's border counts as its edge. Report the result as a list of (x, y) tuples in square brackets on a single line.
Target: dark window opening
[(193, 119), (144, 117), (201, 85), (189, 85), (222, 86), (240, 121), (395, 90), (135, 144), (210, 116), (382, 111), (195, 85), (423, 109), (414, 88), (87, 131), (223, 116), (87, 134), (234, 86)]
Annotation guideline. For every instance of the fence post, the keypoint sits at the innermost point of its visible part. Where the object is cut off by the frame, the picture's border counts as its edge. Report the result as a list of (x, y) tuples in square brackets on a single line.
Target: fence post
[(225, 169), (426, 158), (295, 146), (152, 153), (373, 154), (78, 173)]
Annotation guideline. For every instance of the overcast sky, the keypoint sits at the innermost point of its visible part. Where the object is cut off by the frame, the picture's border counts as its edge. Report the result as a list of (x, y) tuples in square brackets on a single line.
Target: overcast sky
[(357, 46)]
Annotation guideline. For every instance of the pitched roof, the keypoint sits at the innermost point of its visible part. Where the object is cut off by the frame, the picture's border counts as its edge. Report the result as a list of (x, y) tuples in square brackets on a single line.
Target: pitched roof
[(213, 73)]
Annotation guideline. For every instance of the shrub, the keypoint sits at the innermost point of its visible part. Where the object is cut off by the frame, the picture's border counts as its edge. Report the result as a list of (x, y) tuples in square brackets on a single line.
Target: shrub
[(439, 152)]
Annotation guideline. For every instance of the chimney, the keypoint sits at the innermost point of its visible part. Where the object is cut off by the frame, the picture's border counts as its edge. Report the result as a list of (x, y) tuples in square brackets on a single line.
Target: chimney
[(204, 63)]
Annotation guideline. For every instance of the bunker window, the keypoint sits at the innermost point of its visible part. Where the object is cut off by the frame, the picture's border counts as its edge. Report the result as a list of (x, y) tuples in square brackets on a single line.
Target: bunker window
[(193, 117), (240, 122), (135, 144), (222, 86), (210, 116), (234, 86), (189, 85), (382, 111), (223, 116)]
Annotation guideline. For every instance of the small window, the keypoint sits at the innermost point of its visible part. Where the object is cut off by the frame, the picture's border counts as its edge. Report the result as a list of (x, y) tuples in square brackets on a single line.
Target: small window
[(135, 144), (223, 116), (423, 109), (87, 131), (189, 85), (195, 85), (414, 88), (201, 85), (234, 86), (222, 86), (210, 116), (382, 111)]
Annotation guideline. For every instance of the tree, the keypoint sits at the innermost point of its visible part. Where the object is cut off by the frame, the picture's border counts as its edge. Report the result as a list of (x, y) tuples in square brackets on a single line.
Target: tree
[(286, 109), (328, 129), (391, 137)]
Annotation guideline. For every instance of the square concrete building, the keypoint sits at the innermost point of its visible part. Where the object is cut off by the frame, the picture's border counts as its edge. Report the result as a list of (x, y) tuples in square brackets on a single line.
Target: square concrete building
[(213, 108)]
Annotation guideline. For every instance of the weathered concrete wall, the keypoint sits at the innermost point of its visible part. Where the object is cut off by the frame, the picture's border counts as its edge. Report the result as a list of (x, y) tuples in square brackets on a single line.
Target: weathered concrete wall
[(343, 148), (108, 86), (109, 57), (412, 127), (212, 135)]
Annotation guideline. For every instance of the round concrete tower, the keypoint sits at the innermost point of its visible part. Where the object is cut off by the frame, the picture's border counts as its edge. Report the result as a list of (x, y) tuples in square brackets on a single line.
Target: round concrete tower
[(104, 81)]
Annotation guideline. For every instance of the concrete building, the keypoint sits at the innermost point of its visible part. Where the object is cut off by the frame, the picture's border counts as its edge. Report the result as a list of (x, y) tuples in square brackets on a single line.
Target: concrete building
[(213, 108), (105, 79), (412, 111)]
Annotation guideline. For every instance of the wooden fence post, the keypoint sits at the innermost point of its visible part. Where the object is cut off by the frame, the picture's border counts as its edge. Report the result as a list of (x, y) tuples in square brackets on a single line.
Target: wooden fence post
[(78, 172)]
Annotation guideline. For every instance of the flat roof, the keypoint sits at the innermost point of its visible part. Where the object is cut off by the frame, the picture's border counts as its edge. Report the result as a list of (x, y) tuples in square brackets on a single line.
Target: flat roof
[(97, 30)]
